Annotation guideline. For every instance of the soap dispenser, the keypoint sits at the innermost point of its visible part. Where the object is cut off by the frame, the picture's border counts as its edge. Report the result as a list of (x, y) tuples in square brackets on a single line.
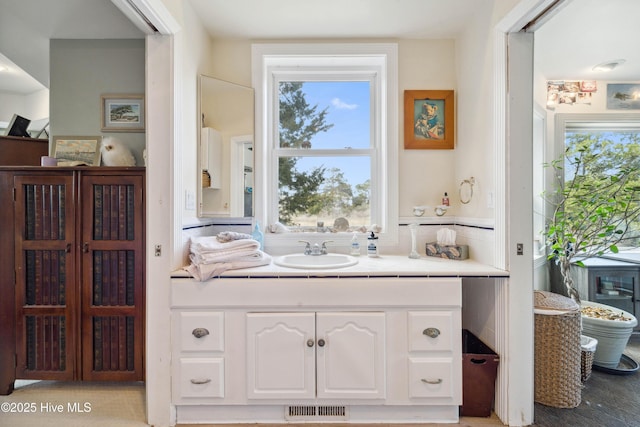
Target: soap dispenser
[(258, 236), (355, 245), (372, 249)]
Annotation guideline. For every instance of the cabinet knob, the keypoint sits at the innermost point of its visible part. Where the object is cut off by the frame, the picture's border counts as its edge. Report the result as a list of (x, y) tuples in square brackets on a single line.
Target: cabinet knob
[(426, 381), (200, 332), (310, 343), (203, 381), (321, 342), (431, 332)]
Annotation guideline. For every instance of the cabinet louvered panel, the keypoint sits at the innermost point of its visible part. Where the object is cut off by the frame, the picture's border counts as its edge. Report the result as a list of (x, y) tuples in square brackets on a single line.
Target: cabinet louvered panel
[(44, 235), (112, 307), (113, 344), (78, 250), (46, 343)]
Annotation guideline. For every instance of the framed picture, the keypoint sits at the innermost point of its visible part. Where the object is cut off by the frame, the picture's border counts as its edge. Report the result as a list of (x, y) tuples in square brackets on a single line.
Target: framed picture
[(623, 96), (122, 113), (77, 150), (429, 119)]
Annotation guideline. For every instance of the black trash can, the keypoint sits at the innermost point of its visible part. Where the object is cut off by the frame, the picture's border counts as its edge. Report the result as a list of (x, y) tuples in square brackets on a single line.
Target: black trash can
[(479, 371)]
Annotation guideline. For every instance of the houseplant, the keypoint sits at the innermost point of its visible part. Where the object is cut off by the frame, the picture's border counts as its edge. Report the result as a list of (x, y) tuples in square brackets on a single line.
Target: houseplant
[(596, 203)]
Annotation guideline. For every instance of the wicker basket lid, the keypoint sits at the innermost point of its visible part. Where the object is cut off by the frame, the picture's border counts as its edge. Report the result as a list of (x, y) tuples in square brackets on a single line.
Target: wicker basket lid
[(550, 301)]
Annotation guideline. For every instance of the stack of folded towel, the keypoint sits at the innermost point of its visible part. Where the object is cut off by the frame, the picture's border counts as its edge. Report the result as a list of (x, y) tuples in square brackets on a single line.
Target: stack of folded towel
[(212, 255)]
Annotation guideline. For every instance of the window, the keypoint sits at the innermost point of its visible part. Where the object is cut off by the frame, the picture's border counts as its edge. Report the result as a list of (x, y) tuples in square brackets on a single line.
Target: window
[(327, 136), (614, 140)]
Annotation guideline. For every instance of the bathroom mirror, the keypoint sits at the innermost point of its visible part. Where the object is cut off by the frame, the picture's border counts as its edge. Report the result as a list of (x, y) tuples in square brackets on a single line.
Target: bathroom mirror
[(225, 149)]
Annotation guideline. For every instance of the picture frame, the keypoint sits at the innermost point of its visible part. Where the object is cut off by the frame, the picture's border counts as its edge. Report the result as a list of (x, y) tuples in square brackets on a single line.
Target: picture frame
[(77, 150), (429, 121), (122, 113), (622, 96)]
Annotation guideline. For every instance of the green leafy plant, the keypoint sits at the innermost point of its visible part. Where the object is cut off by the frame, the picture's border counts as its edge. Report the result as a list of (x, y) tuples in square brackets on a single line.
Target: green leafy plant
[(596, 203)]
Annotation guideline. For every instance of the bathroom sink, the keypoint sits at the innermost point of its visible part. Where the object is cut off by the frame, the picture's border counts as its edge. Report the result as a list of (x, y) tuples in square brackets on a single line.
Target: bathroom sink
[(315, 261)]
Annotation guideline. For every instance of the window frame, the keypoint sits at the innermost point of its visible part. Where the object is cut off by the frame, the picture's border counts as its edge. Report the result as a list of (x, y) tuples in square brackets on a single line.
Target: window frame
[(273, 63), (564, 122)]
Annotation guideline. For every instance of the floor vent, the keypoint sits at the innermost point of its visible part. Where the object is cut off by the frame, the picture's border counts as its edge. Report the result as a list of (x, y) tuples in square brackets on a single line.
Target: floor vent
[(323, 412)]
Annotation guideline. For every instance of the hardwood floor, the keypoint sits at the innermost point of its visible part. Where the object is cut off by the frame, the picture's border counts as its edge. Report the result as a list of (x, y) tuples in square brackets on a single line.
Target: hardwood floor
[(607, 400)]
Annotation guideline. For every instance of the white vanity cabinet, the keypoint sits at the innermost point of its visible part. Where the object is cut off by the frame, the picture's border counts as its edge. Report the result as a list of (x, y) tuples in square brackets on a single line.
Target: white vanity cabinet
[(309, 355), (382, 349), (198, 366)]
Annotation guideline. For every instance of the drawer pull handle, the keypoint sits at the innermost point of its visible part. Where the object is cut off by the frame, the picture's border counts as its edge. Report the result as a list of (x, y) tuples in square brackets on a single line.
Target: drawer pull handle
[(200, 332), (206, 381), (438, 381), (431, 332)]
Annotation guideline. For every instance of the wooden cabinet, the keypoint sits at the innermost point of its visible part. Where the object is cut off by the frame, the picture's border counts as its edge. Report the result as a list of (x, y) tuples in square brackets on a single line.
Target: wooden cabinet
[(613, 281), (77, 249), (20, 151), (323, 349), (309, 355)]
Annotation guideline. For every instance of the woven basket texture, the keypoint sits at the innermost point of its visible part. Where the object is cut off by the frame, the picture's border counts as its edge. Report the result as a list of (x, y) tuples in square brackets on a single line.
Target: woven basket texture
[(586, 364), (558, 355), (551, 301)]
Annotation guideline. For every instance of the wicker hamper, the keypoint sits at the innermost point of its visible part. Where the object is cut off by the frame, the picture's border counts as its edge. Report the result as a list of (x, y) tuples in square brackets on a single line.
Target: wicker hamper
[(588, 346), (557, 371)]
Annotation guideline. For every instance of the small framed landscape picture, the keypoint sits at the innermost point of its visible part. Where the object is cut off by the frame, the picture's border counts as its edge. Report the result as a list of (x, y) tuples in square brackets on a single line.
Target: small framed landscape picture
[(77, 150), (122, 113), (429, 119)]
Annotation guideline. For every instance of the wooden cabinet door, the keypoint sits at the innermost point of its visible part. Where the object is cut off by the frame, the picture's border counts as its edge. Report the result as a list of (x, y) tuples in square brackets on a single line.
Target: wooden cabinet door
[(46, 298), (112, 287), (351, 355), (280, 355)]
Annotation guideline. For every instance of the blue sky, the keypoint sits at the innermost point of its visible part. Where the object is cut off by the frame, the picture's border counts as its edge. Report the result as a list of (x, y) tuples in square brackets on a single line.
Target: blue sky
[(349, 111)]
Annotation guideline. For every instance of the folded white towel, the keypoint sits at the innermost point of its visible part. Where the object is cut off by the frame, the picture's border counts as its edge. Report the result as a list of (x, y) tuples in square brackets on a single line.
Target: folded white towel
[(206, 244), (204, 272), (227, 236), (225, 256)]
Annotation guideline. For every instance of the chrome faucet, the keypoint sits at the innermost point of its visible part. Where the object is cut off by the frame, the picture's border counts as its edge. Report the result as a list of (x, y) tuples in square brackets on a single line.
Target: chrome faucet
[(316, 249)]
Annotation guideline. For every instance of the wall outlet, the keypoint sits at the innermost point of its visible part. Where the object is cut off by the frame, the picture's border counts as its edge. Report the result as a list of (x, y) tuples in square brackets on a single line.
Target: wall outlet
[(189, 200)]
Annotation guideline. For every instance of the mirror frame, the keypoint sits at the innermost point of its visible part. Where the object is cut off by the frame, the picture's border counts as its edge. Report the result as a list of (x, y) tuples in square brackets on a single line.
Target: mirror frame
[(232, 156)]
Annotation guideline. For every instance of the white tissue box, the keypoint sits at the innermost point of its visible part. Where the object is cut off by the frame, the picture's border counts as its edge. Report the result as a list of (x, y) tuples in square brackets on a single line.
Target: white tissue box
[(448, 251)]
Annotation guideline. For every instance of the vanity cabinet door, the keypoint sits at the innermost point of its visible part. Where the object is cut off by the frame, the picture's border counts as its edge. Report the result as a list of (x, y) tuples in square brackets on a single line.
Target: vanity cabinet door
[(281, 355), (351, 355)]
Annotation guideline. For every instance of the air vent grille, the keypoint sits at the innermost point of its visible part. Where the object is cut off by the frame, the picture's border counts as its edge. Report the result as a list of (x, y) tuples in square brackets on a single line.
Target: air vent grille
[(323, 412)]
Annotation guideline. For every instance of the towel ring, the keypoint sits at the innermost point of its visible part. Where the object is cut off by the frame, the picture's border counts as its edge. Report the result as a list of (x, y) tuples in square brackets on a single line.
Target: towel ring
[(466, 190)]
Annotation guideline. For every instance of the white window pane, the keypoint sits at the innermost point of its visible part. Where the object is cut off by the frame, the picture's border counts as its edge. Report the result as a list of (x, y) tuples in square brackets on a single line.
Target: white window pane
[(323, 189), (344, 106)]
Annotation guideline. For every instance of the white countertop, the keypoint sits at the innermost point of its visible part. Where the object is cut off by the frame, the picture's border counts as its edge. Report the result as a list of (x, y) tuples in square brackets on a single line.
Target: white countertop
[(384, 265)]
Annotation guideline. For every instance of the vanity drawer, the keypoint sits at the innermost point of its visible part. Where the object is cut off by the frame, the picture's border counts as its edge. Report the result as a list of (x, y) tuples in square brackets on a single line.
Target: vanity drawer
[(200, 378), (432, 377), (431, 330), (200, 331)]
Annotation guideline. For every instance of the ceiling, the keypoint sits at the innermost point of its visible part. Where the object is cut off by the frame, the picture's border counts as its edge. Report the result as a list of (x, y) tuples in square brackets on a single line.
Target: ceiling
[(585, 33), (308, 19), (580, 35), (26, 26)]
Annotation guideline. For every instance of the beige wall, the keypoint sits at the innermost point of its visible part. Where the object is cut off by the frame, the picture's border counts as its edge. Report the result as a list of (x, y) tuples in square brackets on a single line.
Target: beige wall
[(424, 174), (83, 70)]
